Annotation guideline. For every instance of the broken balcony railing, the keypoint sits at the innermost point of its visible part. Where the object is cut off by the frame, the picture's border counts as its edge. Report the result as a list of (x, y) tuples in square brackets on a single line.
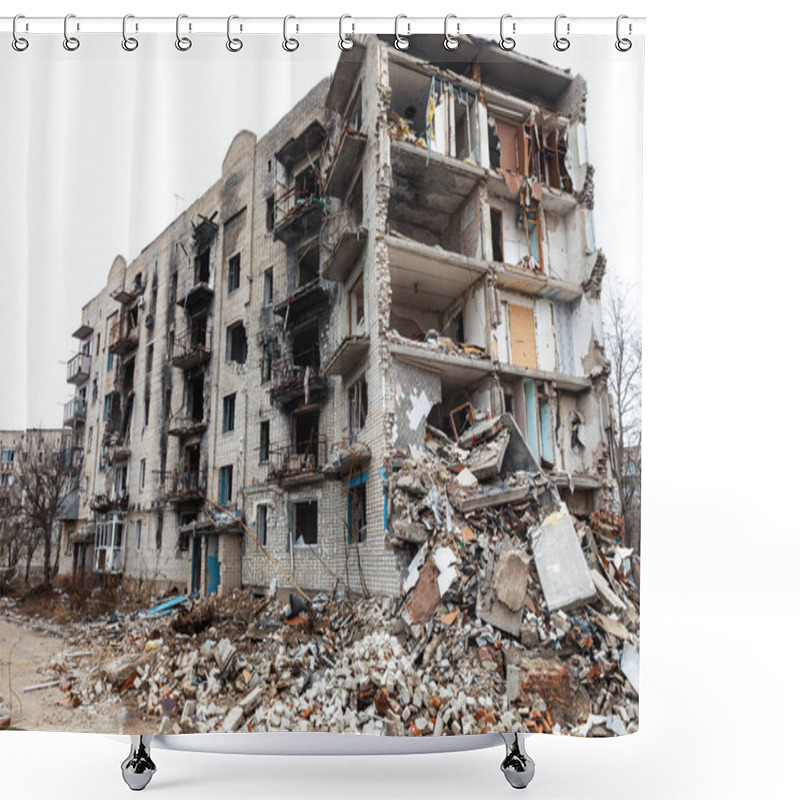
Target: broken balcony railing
[(297, 212), (78, 368), (298, 461), (191, 349), (183, 485), (74, 411), (185, 425), (124, 337), (297, 376)]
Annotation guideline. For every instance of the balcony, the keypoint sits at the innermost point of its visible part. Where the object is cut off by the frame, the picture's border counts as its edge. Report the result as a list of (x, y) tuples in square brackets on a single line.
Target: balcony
[(75, 412), (184, 426), (298, 213), (185, 487), (115, 501), (345, 162), (297, 377), (347, 457), (306, 302), (299, 463), (191, 350), (196, 297), (124, 337), (348, 355), (78, 368), (348, 242), (526, 279)]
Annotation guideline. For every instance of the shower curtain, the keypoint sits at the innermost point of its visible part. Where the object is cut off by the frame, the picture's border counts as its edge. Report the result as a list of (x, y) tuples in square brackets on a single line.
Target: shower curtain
[(320, 384)]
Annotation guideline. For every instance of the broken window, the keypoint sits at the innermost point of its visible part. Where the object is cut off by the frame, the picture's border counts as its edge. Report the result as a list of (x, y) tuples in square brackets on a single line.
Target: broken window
[(304, 523), (202, 266), (356, 302), (226, 485), (195, 391), (308, 266), (168, 403), (268, 287), (358, 405), (237, 343), (148, 364), (263, 444), (234, 270), (266, 363), (357, 510), (261, 524), (467, 134), (173, 292), (159, 530), (355, 201), (147, 409), (271, 213), (138, 534), (228, 412), (497, 235)]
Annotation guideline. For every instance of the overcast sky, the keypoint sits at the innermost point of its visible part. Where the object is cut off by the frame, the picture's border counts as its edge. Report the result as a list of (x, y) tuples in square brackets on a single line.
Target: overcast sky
[(100, 148)]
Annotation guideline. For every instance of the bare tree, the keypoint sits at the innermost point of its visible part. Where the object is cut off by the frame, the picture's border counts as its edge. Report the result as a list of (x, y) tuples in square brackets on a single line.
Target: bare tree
[(12, 529), (46, 476), (623, 343)]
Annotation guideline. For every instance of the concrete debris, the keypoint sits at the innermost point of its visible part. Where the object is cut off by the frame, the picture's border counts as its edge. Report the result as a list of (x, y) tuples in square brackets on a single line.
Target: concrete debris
[(564, 575), (514, 617)]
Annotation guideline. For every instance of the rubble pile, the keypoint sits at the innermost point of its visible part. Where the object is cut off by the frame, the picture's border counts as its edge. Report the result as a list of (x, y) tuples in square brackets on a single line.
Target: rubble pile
[(514, 616), (496, 545)]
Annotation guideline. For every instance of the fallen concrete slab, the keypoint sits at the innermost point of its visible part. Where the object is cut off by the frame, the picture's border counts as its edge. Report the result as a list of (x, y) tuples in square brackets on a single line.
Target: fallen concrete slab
[(560, 563)]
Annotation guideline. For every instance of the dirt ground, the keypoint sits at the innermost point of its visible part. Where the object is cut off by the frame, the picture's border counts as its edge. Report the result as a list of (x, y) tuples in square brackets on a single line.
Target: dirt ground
[(22, 654)]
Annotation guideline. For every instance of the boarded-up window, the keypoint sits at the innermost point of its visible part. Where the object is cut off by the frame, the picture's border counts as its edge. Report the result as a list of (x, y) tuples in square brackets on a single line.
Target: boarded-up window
[(522, 336), (507, 134)]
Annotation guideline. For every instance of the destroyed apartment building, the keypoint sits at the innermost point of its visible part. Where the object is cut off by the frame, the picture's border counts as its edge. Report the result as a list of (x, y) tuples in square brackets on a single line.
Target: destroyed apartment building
[(383, 320)]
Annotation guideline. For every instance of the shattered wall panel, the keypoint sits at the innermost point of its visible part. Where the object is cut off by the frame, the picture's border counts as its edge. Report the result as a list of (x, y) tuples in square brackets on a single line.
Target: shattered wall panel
[(416, 391)]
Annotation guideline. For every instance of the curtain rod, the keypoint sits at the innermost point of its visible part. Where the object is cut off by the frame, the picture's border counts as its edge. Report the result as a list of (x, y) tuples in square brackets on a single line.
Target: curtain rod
[(407, 25)]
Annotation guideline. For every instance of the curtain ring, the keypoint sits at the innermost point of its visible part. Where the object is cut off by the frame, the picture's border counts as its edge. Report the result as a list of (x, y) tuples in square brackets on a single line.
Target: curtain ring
[(129, 43), (345, 42), (623, 45), (451, 42), (401, 42), (234, 44), (561, 43), (183, 43), (71, 43), (19, 43), (290, 44), (506, 42)]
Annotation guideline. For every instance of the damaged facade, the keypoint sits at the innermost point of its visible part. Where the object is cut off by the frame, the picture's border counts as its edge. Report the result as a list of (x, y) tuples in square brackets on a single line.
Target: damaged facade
[(400, 267)]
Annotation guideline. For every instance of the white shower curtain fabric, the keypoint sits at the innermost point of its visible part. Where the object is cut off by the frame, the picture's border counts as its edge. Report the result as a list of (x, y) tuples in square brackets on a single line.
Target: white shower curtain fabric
[(319, 382)]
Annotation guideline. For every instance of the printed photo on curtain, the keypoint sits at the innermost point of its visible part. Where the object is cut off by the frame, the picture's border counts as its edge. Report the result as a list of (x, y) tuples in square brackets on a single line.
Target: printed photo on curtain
[(320, 386)]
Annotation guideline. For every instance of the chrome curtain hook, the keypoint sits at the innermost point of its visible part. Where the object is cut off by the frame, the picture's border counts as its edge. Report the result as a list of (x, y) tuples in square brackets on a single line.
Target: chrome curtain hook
[(507, 42), (290, 44), (401, 42), (623, 45), (561, 43), (451, 42), (234, 44), (182, 42), (71, 43), (345, 42), (129, 43), (19, 43)]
